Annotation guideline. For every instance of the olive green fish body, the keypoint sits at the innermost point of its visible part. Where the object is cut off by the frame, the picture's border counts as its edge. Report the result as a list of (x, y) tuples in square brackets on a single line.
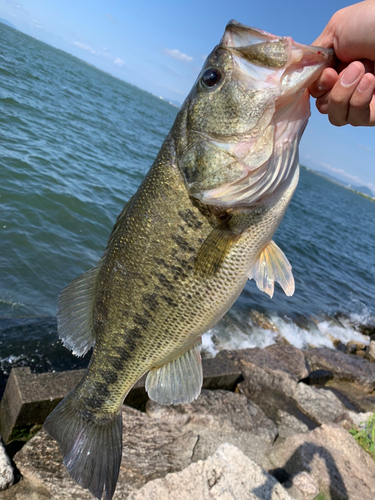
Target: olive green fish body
[(199, 226), (151, 302)]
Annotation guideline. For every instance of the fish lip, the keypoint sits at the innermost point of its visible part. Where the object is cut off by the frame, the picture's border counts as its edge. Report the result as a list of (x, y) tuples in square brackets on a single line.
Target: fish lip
[(314, 55), (238, 37), (235, 31)]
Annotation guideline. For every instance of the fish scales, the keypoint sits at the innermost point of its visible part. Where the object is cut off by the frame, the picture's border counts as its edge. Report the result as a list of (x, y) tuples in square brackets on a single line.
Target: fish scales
[(163, 312), (182, 249)]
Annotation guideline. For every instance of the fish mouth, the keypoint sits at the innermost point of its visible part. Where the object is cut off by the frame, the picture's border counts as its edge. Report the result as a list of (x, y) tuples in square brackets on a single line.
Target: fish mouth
[(273, 74), (274, 59)]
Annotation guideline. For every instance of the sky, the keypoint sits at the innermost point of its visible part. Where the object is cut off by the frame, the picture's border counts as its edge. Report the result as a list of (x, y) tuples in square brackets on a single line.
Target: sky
[(160, 46)]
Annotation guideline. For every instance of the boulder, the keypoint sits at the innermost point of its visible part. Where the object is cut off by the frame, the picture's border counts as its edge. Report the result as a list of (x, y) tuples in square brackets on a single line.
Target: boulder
[(332, 457), (354, 396), (278, 367), (26, 489), (282, 409), (6, 469), (218, 411), (288, 424), (218, 417), (151, 449), (360, 419), (321, 405), (227, 474), (371, 351), (353, 369), (302, 486)]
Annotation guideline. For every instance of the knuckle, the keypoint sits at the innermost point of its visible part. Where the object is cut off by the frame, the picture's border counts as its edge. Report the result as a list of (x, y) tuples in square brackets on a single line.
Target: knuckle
[(358, 104), (338, 122)]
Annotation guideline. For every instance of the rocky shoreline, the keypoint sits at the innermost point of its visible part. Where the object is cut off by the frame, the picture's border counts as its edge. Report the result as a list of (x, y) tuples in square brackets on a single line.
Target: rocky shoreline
[(281, 433)]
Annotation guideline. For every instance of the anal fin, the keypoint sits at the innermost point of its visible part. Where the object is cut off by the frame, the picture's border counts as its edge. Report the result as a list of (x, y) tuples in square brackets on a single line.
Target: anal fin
[(179, 381), (272, 265)]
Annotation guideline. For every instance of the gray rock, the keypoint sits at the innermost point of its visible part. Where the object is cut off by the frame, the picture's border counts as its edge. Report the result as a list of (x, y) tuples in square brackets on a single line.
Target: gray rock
[(6, 469), (151, 449), (26, 489), (344, 367), (278, 367), (360, 419), (302, 486), (219, 410), (288, 424), (321, 405), (28, 399), (282, 409), (219, 417), (340, 467), (270, 377), (226, 475), (371, 351)]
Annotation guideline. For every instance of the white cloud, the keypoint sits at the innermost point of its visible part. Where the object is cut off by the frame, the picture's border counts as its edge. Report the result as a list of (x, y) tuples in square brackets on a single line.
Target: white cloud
[(351, 178), (37, 25), (119, 62), (173, 89), (84, 47), (176, 54), (364, 147)]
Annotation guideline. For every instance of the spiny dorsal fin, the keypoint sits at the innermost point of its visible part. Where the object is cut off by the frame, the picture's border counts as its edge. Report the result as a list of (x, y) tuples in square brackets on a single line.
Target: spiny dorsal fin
[(75, 313), (212, 253), (271, 266), (179, 381)]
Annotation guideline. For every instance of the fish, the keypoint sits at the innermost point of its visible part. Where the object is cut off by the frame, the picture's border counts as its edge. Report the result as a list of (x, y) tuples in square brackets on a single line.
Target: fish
[(182, 249)]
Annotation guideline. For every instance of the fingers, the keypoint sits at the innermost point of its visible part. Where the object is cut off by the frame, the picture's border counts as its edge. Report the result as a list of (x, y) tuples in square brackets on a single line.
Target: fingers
[(362, 103), (336, 104), (324, 83), (351, 98)]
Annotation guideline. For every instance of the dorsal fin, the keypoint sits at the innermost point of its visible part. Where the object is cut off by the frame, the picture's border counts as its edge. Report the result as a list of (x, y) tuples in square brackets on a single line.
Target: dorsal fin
[(271, 266)]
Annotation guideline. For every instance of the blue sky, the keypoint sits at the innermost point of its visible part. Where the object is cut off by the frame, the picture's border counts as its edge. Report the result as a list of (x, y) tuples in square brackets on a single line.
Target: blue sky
[(160, 46)]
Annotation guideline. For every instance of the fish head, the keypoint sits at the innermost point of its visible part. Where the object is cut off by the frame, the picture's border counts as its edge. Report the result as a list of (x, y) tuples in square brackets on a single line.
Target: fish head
[(245, 116)]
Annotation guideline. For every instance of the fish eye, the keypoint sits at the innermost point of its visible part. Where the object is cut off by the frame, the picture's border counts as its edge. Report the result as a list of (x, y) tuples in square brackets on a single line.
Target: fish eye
[(211, 77)]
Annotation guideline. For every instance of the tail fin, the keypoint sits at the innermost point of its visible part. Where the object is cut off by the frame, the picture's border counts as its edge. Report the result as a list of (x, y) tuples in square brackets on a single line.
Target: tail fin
[(91, 447)]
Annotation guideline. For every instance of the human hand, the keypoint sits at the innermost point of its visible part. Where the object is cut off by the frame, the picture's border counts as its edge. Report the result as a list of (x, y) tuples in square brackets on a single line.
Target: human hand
[(346, 93)]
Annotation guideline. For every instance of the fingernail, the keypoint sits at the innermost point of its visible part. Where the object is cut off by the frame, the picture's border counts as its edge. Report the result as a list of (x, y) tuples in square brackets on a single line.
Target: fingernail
[(364, 84), (350, 75)]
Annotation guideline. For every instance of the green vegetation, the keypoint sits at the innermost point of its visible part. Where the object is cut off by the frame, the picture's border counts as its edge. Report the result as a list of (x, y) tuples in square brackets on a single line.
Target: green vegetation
[(24, 433), (365, 437), (321, 496)]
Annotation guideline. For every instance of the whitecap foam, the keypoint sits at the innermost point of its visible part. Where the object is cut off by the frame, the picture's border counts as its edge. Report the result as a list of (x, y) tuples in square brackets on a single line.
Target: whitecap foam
[(316, 332)]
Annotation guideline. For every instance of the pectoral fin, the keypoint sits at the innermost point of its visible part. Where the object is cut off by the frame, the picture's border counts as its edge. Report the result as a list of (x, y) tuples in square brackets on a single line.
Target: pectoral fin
[(271, 266), (179, 381), (212, 253)]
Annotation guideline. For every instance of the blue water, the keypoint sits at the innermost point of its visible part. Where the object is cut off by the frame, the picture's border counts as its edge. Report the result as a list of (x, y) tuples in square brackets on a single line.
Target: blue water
[(75, 143)]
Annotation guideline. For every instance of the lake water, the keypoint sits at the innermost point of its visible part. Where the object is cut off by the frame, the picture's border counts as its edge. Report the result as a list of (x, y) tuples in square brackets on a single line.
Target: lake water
[(74, 145)]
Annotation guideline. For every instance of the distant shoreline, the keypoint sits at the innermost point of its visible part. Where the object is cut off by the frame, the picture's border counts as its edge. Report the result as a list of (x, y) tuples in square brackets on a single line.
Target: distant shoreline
[(372, 198)]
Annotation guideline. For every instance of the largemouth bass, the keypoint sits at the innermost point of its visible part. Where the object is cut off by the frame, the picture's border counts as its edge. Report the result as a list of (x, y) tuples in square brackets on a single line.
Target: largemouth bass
[(181, 251)]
